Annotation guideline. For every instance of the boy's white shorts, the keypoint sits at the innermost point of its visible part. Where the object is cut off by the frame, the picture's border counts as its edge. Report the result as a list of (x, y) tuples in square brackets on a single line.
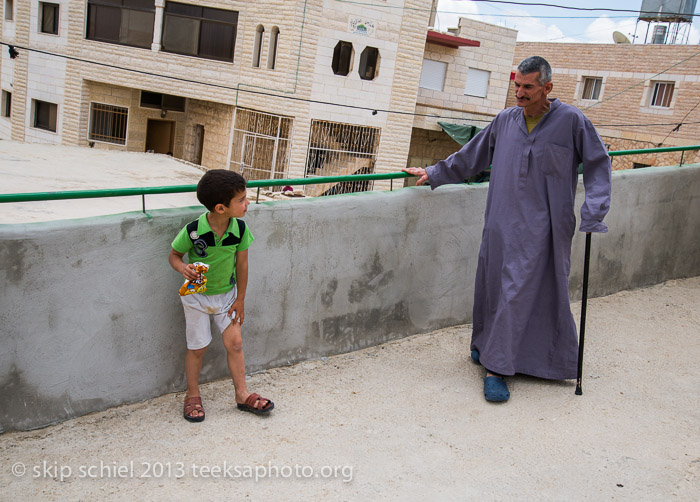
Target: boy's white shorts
[(198, 309)]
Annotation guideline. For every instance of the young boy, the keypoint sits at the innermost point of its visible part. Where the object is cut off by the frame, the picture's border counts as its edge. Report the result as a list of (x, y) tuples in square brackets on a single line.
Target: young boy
[(219, 239)]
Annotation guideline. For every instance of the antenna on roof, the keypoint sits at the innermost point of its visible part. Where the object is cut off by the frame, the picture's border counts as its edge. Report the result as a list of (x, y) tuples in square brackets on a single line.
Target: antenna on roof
[(620, 38)]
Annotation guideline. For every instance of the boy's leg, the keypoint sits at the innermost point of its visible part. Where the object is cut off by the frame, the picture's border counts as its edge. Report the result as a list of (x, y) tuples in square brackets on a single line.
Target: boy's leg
[(193, 367), (233, 341)]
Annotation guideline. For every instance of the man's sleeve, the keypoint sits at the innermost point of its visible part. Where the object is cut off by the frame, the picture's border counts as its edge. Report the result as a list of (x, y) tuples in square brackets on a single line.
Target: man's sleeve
[(596, 179), (182, 242), (246, 240), (474, 157)]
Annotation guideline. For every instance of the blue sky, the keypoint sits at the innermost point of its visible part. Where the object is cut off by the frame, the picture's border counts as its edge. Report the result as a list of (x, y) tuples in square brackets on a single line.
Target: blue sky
[(581, 27)]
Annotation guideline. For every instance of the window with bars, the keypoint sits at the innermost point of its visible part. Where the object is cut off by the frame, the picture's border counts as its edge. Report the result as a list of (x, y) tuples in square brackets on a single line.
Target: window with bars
[(662, 94), (199, 31), (337, 149), (262, 143), (591, 88), (48, 18), (108, 123), (126, 22)]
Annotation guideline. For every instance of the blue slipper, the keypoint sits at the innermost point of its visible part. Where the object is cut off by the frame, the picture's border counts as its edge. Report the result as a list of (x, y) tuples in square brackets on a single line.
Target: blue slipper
[(475, 356), (495, 389)]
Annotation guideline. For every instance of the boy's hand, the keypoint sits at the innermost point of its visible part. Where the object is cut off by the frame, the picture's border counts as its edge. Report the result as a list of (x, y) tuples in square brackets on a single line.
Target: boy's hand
[(189, 271), (237, 311)]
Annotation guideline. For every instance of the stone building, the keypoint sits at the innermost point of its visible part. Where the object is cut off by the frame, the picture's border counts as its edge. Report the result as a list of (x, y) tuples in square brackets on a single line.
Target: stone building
[(278, 89), (635, 94)]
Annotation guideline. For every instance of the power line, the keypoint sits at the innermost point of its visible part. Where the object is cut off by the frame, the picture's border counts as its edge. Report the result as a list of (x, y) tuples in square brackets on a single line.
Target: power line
[(586, 9)]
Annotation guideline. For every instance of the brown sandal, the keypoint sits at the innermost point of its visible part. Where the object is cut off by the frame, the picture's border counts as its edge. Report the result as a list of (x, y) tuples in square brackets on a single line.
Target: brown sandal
[(193, 404), (252, 400)]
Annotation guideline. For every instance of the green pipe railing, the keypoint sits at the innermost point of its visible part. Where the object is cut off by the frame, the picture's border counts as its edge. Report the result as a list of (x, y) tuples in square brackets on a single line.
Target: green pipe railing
[(126, 192)]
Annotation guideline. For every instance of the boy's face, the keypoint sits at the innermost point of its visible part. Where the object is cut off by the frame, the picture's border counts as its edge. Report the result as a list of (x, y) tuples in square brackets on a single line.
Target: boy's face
[(237, 207)]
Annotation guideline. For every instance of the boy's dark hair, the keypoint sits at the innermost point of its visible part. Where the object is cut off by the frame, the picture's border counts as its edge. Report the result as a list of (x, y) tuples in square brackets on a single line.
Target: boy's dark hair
[(219, 186)]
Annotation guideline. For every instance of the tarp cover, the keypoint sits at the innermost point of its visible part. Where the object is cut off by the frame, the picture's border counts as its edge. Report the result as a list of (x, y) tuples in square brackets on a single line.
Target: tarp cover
[(460, 133)]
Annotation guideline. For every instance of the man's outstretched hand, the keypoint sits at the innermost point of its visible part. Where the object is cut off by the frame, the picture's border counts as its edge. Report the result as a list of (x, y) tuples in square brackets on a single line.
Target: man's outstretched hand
[(417, 171)]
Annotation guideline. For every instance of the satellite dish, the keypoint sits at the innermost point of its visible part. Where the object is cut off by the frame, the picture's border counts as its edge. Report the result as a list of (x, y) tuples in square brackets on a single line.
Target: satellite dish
[(620, 38)]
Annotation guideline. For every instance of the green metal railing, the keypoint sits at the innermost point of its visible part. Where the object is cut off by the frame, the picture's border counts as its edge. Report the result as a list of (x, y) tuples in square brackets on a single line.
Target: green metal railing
[(126, 192)]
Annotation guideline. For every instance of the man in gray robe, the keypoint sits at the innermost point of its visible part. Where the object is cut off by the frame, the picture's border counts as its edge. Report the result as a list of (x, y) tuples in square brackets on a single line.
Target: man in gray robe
[(522, 317)]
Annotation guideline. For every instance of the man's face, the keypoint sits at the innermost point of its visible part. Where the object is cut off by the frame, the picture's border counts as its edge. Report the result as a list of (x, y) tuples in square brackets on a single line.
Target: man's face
[(529, 93)]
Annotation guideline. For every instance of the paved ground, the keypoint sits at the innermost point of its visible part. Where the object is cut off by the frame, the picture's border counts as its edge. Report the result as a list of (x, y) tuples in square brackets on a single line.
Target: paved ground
[(407, 421)]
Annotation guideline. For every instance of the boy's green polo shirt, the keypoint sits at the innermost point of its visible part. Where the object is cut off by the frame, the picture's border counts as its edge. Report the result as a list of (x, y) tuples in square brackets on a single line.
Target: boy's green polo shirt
[(218, 253)]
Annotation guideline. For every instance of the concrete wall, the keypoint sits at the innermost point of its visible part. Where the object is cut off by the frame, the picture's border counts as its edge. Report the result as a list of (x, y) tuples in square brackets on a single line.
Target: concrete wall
[(91, 318)]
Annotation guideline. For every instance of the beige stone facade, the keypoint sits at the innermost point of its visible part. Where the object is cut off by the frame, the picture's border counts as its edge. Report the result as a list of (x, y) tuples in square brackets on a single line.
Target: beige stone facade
[(64, 80), (624, 113)]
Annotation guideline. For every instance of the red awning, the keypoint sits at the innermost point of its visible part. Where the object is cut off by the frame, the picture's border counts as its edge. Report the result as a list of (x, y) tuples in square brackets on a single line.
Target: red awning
[(435, 37)]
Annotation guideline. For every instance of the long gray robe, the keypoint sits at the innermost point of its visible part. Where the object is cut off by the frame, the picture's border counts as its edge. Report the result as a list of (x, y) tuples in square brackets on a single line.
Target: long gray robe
[(522, 317)]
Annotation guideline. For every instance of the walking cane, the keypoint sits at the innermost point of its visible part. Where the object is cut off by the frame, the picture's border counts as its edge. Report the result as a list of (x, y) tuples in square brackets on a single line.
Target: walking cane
[(584, 301)]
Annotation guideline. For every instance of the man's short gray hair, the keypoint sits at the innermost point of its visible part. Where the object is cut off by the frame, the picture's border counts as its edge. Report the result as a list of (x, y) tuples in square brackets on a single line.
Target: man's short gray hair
[(536, 63)]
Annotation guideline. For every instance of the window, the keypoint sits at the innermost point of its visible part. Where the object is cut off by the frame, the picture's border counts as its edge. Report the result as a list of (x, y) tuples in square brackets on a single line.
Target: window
[(199, 31), (591, 88), (162, 101), (9, 10), (477, 83), (108, 123), (433, 75), (48, 18), (45, 115), (337, 149), (369, 60), (342, 58), (272, 54), (6, 103), (257, 48), (126, 22), (262, 144), (662, 94)]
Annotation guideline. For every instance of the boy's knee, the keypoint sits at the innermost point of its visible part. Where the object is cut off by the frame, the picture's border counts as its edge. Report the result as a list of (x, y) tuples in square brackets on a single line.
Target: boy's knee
[(233, 341), (197, 352)]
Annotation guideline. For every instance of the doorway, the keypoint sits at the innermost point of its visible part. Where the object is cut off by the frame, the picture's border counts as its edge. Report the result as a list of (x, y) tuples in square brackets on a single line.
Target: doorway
[(160, 136), (198, 143)]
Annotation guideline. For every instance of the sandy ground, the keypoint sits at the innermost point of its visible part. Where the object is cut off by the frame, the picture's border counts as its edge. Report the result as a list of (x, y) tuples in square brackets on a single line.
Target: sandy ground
[(407, 421)]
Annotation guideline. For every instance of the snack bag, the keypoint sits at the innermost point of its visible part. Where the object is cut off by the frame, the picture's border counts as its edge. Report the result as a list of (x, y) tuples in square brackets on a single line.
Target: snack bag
[(197, 285)]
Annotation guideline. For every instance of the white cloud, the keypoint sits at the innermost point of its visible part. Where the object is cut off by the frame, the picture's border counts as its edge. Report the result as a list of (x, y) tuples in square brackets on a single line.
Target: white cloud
[(449, 12), (600, 31)]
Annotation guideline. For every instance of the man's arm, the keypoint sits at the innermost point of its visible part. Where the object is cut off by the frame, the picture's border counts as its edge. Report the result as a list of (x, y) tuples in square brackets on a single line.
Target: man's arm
[(596, 179), (241, 285)]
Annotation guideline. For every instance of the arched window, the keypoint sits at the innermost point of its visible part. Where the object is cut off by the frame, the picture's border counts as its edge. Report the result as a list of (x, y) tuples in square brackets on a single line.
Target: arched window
[(272, 54), (257, 49)]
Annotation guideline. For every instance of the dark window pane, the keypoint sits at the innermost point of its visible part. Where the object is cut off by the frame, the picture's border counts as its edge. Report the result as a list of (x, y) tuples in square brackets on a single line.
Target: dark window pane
[(183, 9), (151, 99), (117, 3), (45, 115), (140, 4), (227, 16), (137, 28), (174, 103), (103, 23), (341, 58), (49, 18), (216, 41), (180, 35)]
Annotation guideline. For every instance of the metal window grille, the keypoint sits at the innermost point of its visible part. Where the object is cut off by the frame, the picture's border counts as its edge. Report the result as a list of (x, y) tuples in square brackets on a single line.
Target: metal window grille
[(337, 149), (108, 123), (591, 88), (262, 143), (662, 94)]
